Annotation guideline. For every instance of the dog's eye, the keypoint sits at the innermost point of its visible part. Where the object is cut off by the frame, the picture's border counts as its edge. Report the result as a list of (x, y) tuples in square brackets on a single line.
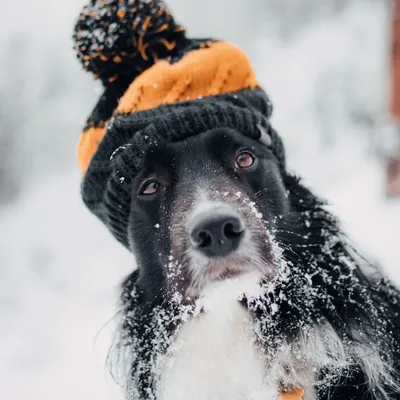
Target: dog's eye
[(151, 188), (244, 160)]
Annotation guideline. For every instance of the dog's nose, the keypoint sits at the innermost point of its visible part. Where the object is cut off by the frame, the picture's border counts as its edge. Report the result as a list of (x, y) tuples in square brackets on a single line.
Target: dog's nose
[(217, 232)]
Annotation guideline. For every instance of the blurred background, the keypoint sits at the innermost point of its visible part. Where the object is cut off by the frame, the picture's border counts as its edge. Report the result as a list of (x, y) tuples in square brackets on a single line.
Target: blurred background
[(325, 64)]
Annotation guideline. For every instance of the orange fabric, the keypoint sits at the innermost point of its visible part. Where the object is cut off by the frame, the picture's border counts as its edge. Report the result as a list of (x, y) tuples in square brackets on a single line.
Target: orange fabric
[(87, 146), (220, 68), (294, 394)]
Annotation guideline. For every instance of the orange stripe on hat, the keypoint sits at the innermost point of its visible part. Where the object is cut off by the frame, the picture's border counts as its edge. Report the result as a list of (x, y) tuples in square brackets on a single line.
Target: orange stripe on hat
[(88, 145), (220, 68)]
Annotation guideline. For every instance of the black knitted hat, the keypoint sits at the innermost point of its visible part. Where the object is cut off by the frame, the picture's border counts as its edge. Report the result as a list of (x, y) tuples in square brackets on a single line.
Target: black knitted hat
[(159, 86)]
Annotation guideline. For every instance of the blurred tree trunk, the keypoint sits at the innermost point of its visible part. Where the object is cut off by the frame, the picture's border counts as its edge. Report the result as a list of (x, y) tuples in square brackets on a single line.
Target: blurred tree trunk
[(393, 168), (395, 103)]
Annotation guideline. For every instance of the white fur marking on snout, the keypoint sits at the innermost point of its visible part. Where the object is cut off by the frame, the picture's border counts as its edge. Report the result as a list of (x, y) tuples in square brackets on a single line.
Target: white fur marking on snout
[(215, 356), (247, 249)]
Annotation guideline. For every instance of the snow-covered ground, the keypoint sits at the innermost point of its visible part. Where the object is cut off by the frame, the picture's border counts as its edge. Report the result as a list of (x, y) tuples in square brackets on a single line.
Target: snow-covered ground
[(60, 268)]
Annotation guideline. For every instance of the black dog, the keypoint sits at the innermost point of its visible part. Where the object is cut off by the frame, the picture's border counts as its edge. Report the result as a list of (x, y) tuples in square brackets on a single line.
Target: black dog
[(246, 288), (217, 208)]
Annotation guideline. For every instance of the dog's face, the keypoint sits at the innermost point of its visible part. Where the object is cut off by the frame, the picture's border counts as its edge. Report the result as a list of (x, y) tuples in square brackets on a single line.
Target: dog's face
[(203, 210)]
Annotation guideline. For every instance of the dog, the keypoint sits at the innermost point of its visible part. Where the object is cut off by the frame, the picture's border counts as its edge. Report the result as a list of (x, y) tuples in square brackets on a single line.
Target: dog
[(246, 288), (246, 284)]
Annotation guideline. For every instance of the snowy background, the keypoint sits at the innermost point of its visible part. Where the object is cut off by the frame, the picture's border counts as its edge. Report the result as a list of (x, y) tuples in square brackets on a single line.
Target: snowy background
[(325, 65)]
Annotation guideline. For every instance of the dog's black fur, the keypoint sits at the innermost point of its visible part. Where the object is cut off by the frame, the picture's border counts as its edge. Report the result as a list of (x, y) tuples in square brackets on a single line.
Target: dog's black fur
[(327, 281)]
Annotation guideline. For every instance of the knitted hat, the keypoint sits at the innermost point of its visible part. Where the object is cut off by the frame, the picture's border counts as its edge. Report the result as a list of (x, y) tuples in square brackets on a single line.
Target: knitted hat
[(159, 86)]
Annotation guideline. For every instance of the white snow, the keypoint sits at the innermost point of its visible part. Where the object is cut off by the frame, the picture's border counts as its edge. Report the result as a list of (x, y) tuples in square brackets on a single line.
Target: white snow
[(326, 74), (58, 290)]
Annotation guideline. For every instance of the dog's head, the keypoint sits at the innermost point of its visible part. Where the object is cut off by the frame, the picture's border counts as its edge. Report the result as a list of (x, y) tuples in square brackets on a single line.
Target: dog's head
[(203, 209)]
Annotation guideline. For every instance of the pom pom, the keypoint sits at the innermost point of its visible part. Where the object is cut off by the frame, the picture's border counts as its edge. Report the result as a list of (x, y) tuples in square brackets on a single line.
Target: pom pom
[(116, 40)]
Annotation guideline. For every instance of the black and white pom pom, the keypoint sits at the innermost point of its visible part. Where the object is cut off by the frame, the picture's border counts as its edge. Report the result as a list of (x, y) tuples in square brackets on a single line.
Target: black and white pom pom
[(119, 39)]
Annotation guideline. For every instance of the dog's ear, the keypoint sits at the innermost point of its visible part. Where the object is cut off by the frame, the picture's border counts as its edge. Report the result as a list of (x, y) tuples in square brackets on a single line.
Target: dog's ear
[(265, 137)]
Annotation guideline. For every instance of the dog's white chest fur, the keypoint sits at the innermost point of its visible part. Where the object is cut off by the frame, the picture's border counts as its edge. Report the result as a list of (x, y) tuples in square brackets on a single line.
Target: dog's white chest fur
[(214, 356)]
